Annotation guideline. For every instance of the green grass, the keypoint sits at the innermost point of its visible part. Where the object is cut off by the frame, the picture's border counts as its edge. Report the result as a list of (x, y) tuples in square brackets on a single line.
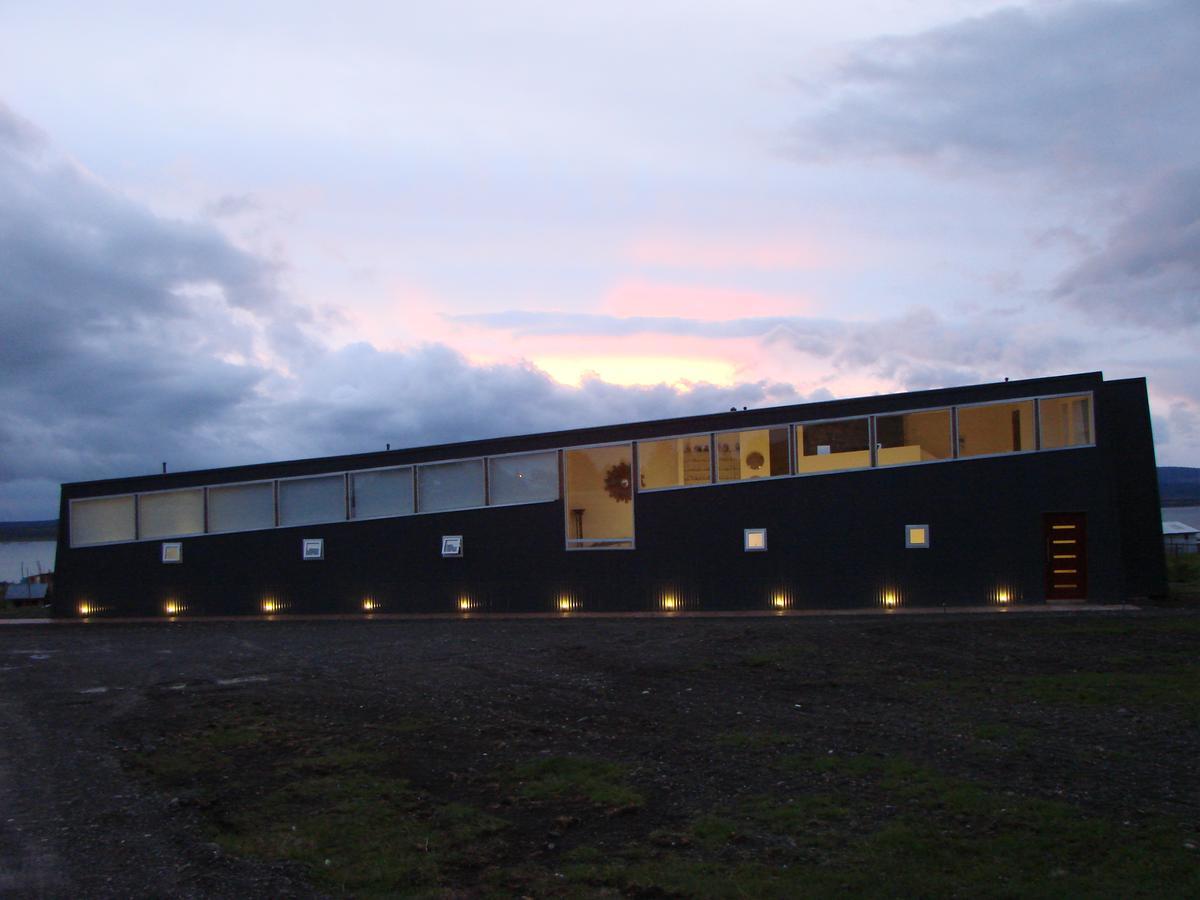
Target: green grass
[(277, 790), (575, 779)]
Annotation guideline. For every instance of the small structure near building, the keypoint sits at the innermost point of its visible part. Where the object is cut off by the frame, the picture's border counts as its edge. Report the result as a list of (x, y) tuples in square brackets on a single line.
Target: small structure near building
[(1180, 538), (27, 593)]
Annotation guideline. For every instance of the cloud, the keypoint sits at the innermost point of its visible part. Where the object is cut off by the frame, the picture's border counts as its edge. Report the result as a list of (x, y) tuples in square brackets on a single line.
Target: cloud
[(1148, 271), (1082, 89), (131, 339)]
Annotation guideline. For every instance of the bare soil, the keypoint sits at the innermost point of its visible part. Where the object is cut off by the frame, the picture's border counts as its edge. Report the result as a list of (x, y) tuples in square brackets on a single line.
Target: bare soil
[(950, 755)]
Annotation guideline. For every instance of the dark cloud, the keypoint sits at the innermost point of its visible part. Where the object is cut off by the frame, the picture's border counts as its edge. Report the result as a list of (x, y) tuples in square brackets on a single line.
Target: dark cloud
[(231, 205), (1083, 89), (1148, 271), (1094, 99)]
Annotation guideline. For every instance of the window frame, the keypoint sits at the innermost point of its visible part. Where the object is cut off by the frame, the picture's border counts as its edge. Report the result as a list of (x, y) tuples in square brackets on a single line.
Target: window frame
[(712, 465), (631, 541)]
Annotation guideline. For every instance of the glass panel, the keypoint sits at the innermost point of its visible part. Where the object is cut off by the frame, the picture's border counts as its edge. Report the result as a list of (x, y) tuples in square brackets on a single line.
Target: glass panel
[(599, 497), (308, 500), (829, 446), (102, 521), (171, 514), (674, 462), (752, 454), (388, 492), (913, 437), (995, 428), (456, 485), (241, 507), (1066, 421), (528, 478)]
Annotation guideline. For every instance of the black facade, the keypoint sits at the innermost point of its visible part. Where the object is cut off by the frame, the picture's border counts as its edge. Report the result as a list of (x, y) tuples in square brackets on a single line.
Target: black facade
[(898, 531)]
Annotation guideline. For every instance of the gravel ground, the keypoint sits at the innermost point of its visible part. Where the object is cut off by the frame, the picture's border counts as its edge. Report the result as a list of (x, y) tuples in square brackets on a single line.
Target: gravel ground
[(682, 702)]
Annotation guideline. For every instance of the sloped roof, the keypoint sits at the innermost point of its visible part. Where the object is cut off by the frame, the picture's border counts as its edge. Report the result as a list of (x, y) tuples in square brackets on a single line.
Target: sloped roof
[(1178, 528)]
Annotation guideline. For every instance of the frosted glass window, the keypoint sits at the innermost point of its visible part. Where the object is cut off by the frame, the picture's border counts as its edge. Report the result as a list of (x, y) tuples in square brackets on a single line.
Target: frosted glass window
[(241, 507), (913, 437), (388, 492), (304, 501), (171, 513), (102, 521), (675, 462), (830, 446), (995, 428), (456, 485), (527, 478), (1066, 421), (760, 453)]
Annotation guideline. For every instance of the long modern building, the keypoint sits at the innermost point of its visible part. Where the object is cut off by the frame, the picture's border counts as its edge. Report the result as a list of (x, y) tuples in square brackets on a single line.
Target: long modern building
[(1022, 492)]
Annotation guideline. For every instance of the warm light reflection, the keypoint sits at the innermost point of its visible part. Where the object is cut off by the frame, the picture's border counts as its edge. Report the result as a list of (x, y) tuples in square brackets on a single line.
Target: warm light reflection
[(890, 599), (465, 604), (87, 609), (369, 605), (567, 603), (781, 601), (270, 606), (669, 602), (172, 608)]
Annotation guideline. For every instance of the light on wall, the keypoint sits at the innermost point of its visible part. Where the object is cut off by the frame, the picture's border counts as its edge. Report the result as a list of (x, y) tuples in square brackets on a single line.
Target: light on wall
[(270, 606), (781, 601), (173, 607), (369, 605), (567, 603), (754, 539), (916, 537), (465, 604), (890, 599), (669, 602), (88, 609), (172, 552)]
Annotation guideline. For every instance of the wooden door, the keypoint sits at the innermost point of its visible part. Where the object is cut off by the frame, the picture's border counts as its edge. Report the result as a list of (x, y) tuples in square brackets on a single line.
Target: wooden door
[(1066, 555)]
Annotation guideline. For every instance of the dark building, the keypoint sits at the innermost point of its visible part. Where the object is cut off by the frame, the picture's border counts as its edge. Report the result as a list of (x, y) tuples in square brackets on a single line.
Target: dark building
[(1019, 492)]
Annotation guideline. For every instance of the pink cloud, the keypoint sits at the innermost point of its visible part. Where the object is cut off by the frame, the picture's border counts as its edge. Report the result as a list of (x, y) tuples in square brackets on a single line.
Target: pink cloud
[(692, 252), (650, 298)]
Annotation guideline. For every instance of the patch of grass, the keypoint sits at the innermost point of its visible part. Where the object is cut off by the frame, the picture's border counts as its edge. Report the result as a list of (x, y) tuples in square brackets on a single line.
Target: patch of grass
[(753, 740), (713, 832), (575, 779), (1177, 687), (280, 790)]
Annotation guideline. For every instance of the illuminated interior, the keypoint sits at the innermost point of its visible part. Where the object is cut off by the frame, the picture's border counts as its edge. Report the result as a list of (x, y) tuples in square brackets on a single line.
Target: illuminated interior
[(831, 446), (996, 428), (599, 501)]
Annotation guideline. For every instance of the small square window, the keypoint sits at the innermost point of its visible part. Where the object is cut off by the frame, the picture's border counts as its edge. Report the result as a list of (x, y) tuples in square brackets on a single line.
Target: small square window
[(755, 539), (172, 552), (313, 548), (916, 537), (452, 545)]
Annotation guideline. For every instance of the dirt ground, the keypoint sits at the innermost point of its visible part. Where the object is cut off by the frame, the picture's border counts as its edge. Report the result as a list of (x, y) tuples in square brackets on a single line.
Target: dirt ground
[(1048, 753)]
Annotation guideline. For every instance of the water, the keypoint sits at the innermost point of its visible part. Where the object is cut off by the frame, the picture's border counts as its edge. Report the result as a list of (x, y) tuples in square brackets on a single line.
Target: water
[(13, 554), (1188, 515)]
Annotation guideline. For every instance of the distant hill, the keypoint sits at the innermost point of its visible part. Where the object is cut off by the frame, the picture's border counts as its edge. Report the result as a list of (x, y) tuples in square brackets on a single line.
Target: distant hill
[(29, 531), (1179, 485)]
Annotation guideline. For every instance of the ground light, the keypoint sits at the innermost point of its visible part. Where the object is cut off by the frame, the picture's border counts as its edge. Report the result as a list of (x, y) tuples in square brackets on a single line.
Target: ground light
[(173, 608), (369, 605)]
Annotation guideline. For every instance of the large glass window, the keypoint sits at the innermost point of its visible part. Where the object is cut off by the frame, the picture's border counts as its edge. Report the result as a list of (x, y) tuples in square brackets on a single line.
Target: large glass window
[(995, 428), (829, 446), (386, 492), (674, 462), (102, 521), (241, 507), (305, 501), (1066, 421), (525, 478), (171, 514), (760, 453), (913, 437), (456, 485), (599, 505)]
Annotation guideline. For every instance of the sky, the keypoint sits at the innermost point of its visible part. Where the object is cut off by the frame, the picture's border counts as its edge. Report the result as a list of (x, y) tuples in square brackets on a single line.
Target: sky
[(235, 233)]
